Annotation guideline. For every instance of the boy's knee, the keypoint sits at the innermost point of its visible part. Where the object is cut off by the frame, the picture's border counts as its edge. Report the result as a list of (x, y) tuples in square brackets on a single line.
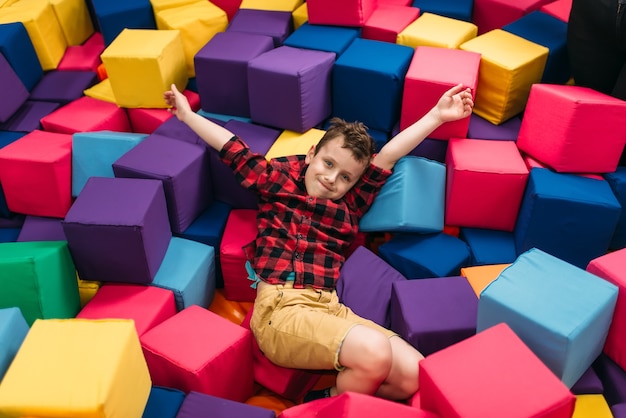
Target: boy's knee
[(378, 354)]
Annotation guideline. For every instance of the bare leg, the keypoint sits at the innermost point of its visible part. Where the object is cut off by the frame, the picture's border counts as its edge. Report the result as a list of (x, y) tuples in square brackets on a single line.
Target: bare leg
[(402, 381)]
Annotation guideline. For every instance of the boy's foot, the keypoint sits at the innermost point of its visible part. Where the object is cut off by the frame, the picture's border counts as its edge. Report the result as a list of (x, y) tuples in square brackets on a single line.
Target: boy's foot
[(316, 394)]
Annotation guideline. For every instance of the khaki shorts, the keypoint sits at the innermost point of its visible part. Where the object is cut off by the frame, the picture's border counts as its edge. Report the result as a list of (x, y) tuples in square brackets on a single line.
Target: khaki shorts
[(303, 328)]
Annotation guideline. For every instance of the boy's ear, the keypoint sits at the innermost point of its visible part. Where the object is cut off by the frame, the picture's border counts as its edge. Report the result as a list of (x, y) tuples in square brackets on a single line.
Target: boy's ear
[(309, 155)]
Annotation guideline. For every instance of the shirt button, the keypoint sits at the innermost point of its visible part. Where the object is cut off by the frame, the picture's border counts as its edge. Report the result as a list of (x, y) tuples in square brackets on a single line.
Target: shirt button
[(296, 255), (310, 199)]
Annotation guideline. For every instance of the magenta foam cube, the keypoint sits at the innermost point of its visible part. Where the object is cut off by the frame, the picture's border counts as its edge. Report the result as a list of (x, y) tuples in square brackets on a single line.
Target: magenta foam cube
[(344, 13)]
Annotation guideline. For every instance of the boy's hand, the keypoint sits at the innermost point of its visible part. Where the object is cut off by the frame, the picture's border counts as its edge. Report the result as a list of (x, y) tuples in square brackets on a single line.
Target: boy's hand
[(455, 104), (177, 102)]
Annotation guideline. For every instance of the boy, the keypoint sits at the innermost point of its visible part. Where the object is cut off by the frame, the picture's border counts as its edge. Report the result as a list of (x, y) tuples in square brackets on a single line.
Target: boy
[(309, 210)]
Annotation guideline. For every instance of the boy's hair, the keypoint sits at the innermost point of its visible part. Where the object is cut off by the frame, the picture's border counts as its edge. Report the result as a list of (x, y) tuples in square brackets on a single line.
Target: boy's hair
[(356, 138)]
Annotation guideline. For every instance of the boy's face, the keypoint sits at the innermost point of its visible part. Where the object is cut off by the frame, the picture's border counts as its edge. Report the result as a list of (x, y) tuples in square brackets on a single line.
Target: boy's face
[(332, 171)]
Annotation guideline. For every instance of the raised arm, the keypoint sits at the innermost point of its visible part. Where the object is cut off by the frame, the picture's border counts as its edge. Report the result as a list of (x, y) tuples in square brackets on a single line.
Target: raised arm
[(212, 133), (454, 104)]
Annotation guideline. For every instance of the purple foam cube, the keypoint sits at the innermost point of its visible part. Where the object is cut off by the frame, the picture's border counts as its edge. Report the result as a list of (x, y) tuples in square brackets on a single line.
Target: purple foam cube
[(222, 71), (589, 383), (290, 88), (118, 230), (182, 167), (273, 23), (613, 379), (28, 116), (365, 285), (481, 128), (40, 228), (197, 404), (14, 92), (63, 86), (432, 314)]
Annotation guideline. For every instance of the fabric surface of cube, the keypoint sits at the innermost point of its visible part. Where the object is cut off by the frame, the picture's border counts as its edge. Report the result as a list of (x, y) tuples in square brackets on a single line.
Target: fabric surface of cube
[(489, 174), (432, 314), (192, 351), (163, 402), (436, 30), (222, 71), (494, 14), (488, 246), (561, 312), (16, 92), (86, 114), (13, 330), (182, 167), (84, 57), (278, 25), (18, 49), (347, 13), (28, 116), (63, 86), (454, 9), (559, 211), (387, 21), (480, 128), (35, 173), (479, 277), (75, 20), (113, 16), (118, 384), (41, 228), (509, 67), (196, 404), (118, 229), (560, 119), (322, 37), (298, 84), (617, 181), (147, 306), (141, 64), (412, 199), (449, 386)]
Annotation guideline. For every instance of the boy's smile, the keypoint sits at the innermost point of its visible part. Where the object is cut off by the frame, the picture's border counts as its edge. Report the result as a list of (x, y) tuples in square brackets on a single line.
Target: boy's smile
[(332, 171)]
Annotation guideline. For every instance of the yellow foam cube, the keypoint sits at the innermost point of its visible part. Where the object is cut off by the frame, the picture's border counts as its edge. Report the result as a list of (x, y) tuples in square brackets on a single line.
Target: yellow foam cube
[(87, 289), (509, 66), (143, 63), (479, 277), (591, 406), (294, 143), (437, 31), (158, 5), (300, 16), (277, 5), (73, 15), (197, 22), (101, 91), (43, 27), (77, 368)]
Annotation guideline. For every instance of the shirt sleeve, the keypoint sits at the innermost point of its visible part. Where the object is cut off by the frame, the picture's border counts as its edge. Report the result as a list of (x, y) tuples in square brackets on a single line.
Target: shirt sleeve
[(362, 195), (251, 169)]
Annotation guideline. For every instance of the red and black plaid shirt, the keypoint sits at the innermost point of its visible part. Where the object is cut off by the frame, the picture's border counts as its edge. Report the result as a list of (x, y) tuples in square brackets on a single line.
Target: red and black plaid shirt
[(296, 232)]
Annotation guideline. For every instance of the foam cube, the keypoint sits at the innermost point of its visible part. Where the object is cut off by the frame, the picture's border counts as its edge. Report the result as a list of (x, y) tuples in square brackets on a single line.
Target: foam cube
[(118, 229), (371, 300), (141, 64), (222, 71), (196, 350), (436, 30), (432, 314), (197, 22), (163, 402), (509, 66), (561, 312), (18, 49), (479, 277), (368, 81), (294, 143), (480, 128), (454, 9), (93, 154), (322, 37), (273, 23), (412, 199), (613, 378), (489, 174), (449, 386), (592, 406), (117, 384), (188, 270), (592, 215), (86, 114), (299, 82), (75, 20), (424, 85), (63, 86), (489, 246), (35, 172), (13, 330), (28, 117), (15, 89), (147, 306), (196, 405), (425, 256), (208, 228), (40, 228), (84, 57), (494, 14), (589, 383), (182, 167), (387, 21), (563, 144), (112, 17), (348, 13), (43, 27), (148, 120), (617, 181), (611, 267), (558, 8), (240, 230)]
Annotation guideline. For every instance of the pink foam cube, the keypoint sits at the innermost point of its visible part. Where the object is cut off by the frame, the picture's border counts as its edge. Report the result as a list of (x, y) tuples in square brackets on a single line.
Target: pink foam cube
[(492, 374), (87, 114), (558, 8), (240, 229), (85, 57), (485, 183), (612, 267), (148, 306), (198, 350), (147, 120), (494, 14), (387, 21), (572, 129), (36, 174), (432, 72), (343, 13)]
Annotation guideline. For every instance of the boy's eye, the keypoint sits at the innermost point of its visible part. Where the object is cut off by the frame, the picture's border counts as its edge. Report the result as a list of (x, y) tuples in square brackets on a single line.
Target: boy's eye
[(328, 163), (345, 178)]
